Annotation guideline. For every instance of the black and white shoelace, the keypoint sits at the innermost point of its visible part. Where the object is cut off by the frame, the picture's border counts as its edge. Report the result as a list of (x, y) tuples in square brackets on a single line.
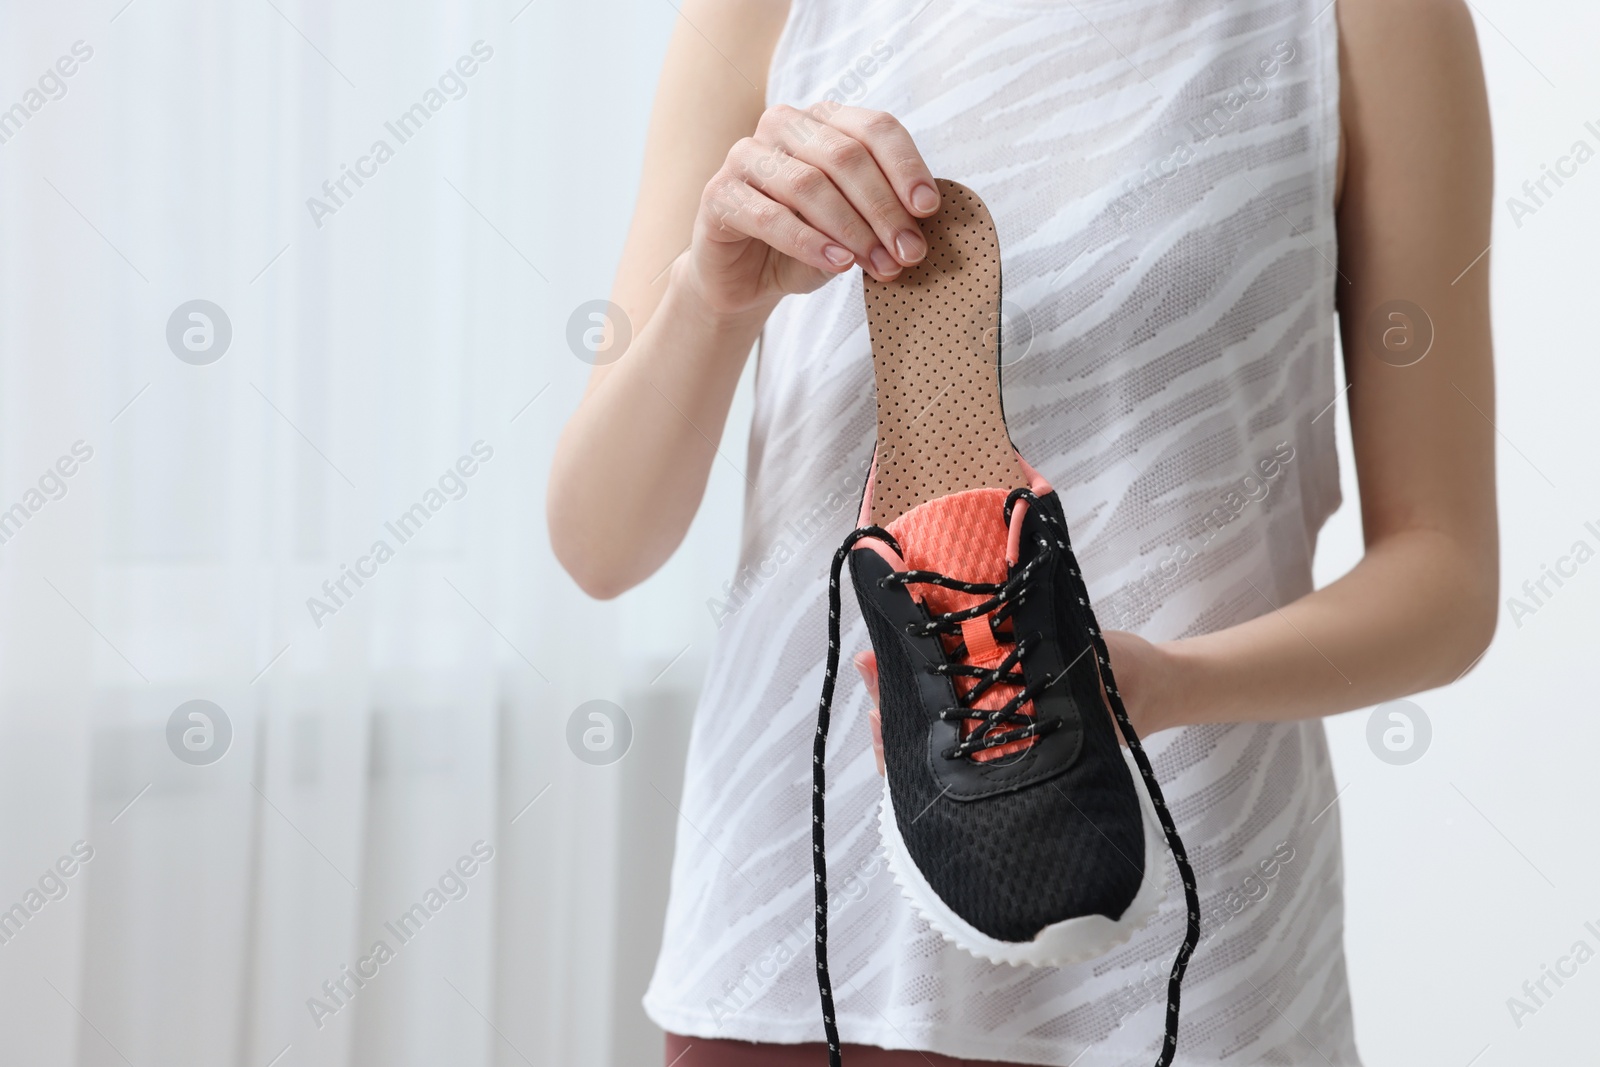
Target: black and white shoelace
[(819, 857), (1003, 725)]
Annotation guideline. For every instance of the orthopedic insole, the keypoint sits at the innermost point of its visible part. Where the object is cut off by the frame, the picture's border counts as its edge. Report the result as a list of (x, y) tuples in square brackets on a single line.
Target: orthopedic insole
[(935, 333)]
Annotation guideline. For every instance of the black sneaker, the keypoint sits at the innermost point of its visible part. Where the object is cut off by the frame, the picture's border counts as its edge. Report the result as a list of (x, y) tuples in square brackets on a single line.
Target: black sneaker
[(1013, 821)]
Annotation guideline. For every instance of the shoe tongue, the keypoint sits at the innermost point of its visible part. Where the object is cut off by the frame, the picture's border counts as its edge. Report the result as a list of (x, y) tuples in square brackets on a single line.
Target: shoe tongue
[(963, 536)]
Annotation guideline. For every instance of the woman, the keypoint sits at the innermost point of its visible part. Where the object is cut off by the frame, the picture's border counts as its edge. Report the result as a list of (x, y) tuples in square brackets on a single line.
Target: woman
[(1187, 193)]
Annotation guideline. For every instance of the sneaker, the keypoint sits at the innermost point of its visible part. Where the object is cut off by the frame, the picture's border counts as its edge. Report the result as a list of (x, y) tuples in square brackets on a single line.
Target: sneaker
[(1012, 820)]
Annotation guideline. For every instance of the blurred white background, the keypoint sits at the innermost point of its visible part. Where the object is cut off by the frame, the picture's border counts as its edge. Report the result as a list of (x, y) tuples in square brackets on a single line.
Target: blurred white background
[(428, 713)]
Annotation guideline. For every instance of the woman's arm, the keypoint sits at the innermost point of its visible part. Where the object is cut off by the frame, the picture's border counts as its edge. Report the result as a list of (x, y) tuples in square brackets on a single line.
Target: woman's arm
[(1421, 606), (739, 206)]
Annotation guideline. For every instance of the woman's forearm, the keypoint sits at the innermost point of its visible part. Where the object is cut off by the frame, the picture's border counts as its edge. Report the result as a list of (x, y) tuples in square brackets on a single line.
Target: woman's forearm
[(773, 201), (1414, 614), (632, 463)]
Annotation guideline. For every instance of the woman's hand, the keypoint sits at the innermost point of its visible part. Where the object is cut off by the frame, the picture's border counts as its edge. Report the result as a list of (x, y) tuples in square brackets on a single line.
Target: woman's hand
[(809, 195), (1144, 678), (1144, 674)]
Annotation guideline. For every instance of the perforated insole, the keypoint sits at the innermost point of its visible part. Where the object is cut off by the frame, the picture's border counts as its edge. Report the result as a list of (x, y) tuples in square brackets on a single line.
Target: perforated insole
[(936, 351)]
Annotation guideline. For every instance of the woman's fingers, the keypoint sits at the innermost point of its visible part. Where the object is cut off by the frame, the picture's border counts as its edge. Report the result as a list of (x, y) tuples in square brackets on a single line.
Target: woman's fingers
[(808, 191), (875, 720), (737, 211), (826, 189), (852, 167), (867, 664), (895, 153)]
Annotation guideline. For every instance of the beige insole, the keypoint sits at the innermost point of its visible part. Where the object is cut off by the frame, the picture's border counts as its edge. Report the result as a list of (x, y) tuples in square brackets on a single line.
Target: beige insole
[(935, 352)]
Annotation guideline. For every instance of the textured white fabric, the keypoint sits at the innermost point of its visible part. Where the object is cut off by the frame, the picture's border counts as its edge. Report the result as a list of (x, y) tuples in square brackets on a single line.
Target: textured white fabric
[(1161, 175)]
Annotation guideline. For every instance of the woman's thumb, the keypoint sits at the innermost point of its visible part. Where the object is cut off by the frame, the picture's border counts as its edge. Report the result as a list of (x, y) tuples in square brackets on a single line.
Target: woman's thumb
[(867, 664)]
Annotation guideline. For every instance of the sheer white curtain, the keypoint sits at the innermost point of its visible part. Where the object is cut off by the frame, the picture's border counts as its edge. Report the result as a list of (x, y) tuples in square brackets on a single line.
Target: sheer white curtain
[(396, 373)]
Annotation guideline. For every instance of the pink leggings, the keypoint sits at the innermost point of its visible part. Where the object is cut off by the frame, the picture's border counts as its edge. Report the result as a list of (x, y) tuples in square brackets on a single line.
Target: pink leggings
[(716, 1052)]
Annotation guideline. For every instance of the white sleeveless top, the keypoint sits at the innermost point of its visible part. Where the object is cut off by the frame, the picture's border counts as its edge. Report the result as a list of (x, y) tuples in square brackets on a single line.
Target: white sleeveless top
[(1161, 173)]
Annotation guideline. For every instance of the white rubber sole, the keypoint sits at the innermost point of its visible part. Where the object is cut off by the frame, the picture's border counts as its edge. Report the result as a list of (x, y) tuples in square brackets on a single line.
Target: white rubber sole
[(1070, 941)]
